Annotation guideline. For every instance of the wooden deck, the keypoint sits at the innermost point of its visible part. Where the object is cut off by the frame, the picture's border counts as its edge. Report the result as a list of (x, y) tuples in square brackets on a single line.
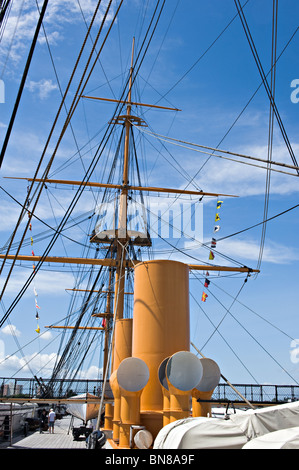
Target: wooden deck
[(61, 439)]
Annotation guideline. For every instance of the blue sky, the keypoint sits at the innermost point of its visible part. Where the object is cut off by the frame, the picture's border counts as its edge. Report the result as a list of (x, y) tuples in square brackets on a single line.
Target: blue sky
[(211, 82)]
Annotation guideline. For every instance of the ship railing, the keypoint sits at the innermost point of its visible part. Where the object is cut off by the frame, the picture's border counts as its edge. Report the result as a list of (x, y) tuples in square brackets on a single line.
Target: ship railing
[(64, 388)]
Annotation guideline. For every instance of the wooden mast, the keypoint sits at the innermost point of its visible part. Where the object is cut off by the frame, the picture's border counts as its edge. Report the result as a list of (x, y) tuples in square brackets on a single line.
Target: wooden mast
[(122, 236)]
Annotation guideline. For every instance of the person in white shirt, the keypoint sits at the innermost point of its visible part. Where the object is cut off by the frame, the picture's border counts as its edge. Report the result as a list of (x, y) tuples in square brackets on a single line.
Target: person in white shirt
[(51, 421)]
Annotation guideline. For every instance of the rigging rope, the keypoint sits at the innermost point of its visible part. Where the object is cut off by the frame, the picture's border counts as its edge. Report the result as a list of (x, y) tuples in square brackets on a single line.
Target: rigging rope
[(23, 81), (260, 223), (226, 342), (61, 92), (179, 143), (4, 9), (271, 124), (4, 18), (228, 311), (41, 159), (74, 201), (94, 162), (84, 309), (252, 311), (97, 156), (245, 107), (191, 238), (52, 229), (264, 79)]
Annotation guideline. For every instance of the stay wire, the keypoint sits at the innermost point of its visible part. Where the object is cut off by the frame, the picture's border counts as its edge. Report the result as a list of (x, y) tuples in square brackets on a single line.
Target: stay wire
[(60, 89), (203, 54), (52, 229), (179, 143), (71, 207), (2, 30), (253, 312), (270, 136), (264, 80), (92, 166), (223, 338), (40, 186), (260, 223), (23, 81), (79, 191), (192, 239), (245, 329), (227, 311)]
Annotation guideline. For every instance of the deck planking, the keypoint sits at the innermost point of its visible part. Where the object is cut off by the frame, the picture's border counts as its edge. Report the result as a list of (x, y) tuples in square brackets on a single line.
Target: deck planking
[(61, 439)]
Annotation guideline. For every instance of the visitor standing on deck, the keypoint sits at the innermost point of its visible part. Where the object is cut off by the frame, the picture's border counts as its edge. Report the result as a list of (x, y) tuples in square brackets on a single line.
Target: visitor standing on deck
[(51, 421), (42, 421)]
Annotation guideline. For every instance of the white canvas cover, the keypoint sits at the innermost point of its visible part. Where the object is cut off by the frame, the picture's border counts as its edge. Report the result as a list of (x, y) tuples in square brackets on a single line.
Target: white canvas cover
[(283, 439), (84, 411), (255, 423), (200, 433), (234, 433)]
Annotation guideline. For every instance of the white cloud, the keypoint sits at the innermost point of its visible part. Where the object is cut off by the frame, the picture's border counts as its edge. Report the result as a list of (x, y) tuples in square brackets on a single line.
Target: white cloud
[(40, 363), (92, 373), (249, 250), (45, 362), (43, 88), (2, 350), (23, 19), (46, 335), (53, 38), (36, 361), (11, 330), (45, 282), (294, 352), (9, 215), (242, 179), (244, 250)]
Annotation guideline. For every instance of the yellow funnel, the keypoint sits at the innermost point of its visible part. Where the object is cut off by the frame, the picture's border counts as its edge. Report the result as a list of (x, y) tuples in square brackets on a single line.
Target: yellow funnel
[(161, 321), (122, 341)]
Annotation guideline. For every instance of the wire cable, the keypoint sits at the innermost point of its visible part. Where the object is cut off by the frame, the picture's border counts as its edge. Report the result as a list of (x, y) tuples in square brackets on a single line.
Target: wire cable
[(23, 81), (264, 80), (80, 189), (270, 136), (260, 223)]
